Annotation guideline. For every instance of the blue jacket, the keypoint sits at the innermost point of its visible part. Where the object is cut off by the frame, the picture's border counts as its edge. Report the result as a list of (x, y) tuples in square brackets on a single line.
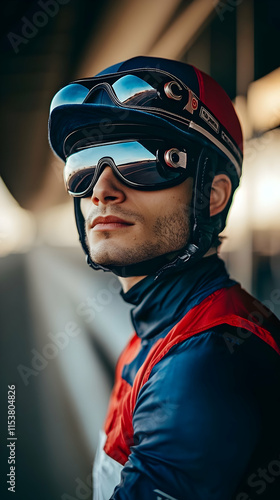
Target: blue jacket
[(195, 410)]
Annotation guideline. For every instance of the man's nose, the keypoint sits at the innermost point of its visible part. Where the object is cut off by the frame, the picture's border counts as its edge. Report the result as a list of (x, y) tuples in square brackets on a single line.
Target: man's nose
[(108, 189)]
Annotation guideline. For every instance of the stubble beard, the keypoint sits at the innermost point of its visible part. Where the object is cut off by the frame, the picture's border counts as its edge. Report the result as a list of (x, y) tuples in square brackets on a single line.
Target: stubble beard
[(171, 233)]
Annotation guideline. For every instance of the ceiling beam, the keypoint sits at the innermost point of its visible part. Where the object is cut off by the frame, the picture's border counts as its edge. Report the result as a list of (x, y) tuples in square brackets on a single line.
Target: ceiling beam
[(129, 28), (183, 30)]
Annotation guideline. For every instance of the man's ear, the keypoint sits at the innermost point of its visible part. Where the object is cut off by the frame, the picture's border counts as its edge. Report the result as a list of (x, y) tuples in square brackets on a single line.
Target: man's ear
[(220, 193)]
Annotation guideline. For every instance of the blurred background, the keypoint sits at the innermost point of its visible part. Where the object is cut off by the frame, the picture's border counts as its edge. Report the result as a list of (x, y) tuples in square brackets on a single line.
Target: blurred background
[(63, 326)]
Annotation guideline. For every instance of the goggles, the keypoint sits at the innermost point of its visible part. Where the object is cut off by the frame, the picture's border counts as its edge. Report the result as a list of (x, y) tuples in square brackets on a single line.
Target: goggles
[(146, 165), (157, 92), (149, 89)]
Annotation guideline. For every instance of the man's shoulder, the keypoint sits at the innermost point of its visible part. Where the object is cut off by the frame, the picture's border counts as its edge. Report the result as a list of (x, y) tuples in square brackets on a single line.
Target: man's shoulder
[(210, 364), (236, 311)]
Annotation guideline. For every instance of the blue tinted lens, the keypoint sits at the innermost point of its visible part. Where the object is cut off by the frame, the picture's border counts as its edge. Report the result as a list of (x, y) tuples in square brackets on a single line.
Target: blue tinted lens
[(121, 152), (72, 94), (132, 89)]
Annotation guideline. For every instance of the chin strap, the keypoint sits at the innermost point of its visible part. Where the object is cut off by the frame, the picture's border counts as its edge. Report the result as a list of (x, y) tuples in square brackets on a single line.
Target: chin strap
[(204, 229)]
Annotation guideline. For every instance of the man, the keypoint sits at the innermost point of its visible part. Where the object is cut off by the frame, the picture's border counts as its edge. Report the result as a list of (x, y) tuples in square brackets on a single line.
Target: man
[(153, 154)]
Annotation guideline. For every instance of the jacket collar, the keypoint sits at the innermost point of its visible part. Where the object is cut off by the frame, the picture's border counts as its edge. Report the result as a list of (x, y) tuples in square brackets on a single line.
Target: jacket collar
[(159, 305)]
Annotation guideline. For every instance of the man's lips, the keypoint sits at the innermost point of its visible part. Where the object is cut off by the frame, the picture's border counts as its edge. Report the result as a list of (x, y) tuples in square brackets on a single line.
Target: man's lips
[(109, 222)]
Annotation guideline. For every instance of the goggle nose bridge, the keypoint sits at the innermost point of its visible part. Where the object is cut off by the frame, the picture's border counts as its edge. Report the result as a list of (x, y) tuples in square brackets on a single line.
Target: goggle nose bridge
[(104, 162), (98, 87)]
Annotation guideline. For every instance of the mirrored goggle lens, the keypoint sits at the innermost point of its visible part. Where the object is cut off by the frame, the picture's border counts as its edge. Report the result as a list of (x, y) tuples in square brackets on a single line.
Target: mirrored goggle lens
[(129, 90), (133, 91), (137, 166), (75, 93)]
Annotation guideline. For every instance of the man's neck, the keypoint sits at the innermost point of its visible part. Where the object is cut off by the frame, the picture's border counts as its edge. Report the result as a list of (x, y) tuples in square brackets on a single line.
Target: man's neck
[(129, 282)]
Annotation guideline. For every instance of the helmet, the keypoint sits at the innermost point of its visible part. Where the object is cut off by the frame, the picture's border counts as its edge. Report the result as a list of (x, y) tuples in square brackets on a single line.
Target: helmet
[(138, 98)]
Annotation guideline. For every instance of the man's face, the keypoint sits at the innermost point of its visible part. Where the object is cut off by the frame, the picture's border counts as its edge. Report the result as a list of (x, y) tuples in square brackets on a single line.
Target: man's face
[(133, 225)]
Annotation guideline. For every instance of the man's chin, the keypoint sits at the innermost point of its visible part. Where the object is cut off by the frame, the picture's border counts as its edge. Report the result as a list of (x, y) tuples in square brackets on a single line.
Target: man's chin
[(121, 258), (113, 262), (125, 257), (107, 259)]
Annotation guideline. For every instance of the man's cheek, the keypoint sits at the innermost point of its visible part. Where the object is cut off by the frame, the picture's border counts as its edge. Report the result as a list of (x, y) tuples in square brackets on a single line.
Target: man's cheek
[(85, 207)]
